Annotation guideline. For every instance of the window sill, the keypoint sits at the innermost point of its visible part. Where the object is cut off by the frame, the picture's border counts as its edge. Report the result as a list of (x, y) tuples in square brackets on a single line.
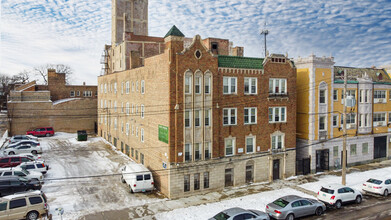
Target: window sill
[(284, 122), (229, 125), (250, 123), (251, 94)]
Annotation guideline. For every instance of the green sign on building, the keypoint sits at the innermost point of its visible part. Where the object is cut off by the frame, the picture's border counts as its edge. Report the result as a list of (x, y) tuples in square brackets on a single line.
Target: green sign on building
[(163, 134)]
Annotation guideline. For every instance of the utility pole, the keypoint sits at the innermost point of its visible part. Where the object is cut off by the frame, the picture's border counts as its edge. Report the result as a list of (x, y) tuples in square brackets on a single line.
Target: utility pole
[(265, 32), (344, 158)]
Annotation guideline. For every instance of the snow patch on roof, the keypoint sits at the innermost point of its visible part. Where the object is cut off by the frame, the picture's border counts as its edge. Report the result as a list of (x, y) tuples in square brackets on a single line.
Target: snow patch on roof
[(64, 100)]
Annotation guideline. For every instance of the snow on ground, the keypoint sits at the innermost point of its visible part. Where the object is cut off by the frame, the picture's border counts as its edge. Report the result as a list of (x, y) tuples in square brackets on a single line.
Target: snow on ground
[(354, 180), (84, 177), (255, 201)]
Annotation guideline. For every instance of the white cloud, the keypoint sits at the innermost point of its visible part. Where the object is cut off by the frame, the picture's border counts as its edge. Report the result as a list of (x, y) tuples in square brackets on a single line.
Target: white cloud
[(74, 32)]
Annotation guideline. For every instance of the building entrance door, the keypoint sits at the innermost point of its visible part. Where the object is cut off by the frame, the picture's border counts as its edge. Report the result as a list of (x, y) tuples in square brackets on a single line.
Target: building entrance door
[(229, 180), (322, 160), (276, 169), (249, 174), (380, 147)]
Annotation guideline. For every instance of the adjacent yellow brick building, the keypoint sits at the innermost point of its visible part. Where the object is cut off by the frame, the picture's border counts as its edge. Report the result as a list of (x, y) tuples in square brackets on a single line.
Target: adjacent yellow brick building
[(319, 113)]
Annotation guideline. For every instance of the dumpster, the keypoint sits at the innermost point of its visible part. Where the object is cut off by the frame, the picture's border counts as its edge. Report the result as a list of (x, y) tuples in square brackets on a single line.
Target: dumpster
[(82, 135)]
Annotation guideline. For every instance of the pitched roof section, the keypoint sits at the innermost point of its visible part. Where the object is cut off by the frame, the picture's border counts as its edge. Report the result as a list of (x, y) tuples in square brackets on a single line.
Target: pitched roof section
[(174, 31), (240, 62), (377, 75)]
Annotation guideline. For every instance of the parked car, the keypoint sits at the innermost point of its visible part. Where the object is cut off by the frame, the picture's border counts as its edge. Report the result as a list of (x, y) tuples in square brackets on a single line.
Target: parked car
[(26, 205), (13, 161), (36, 157), (23, 149), (24, 142), (381, 186), (34, 166), (18, 138), (137, 177), (338, 194), (239, 213), (13, 184), (292, 206), (15, 171), (41, 132)]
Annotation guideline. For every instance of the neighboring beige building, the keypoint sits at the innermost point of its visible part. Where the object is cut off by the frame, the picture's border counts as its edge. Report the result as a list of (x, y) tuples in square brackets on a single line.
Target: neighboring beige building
[(66, 108)]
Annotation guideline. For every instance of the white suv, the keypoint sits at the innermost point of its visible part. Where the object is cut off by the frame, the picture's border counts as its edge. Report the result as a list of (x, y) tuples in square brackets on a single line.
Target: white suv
[(337, 194), (16, 171), (34, 166)]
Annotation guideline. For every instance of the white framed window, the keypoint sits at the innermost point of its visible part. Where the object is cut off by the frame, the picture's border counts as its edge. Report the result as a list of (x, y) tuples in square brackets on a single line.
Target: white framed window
[(187, 118), (127, 128), (142, 111), (229, 116), (136, 131), (197, 151), (101, 103), (229, 85), (379, 94), (122, 127), (335, 120), (122, 88), (250, 115), (78, 93), (277, 114), (127, 108), (322, 96), (197, 118), (188, 152), (136, 109), (198, 85), (188, 84), (277, 86), (87, 93), (207, 81), (136, 86), (250, 144), (101, 88), (105, 88), (132, 86), (127, 88), (335, 95), (142, 135), (122, 107), (115, 88), (350, 118), (229, 146), (105, 119), (207, 117), (250, 85), (208, 150), (132, 129), (132, 108), (115, 123), (105, 103), (72, 94), (115, 106), (322, 123), (277, 140), (363, 120), (379, 119), (142, 86)]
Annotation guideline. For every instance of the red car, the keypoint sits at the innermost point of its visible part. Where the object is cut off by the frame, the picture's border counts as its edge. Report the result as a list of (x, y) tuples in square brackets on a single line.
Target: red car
[(44, 131), (13, 161)]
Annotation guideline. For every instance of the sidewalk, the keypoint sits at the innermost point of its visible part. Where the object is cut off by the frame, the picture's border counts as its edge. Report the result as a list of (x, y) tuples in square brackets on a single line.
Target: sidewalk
[(211, 202)]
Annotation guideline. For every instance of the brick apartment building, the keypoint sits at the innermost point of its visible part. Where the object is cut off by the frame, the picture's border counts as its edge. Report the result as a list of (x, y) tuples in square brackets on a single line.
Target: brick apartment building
[(66, 108), (200, 118)]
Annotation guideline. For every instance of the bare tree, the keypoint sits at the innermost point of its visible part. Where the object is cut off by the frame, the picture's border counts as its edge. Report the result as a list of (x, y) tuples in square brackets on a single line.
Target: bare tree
[(21, 78), (42, 71)]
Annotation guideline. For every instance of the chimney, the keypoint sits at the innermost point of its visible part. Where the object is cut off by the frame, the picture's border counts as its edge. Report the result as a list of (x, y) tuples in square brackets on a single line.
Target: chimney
[(84, 83)]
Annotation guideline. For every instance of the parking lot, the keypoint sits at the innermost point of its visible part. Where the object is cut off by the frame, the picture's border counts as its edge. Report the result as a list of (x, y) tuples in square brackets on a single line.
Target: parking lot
[(84, 177)]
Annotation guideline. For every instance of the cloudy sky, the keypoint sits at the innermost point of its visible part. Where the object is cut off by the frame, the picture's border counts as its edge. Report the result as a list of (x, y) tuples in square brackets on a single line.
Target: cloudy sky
[(74, 32)]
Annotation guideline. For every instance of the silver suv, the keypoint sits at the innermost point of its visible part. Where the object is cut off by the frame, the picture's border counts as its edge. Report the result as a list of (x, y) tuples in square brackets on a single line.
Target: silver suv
[(26, 205)]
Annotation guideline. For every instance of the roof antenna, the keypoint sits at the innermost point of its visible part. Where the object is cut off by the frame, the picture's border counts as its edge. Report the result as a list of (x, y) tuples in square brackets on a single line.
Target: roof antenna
[(265, 32)]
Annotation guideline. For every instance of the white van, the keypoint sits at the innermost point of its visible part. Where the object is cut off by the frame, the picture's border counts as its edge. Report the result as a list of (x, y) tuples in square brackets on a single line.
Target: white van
[(138, 177)]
